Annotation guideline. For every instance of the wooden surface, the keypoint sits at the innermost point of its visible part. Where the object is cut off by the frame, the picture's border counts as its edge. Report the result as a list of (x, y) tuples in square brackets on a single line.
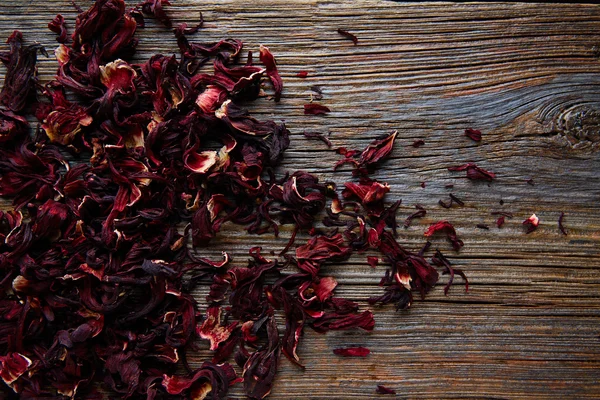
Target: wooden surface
[(528, 76)]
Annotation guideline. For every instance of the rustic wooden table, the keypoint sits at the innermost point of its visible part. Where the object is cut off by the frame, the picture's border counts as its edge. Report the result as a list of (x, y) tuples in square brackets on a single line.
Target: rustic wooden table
[(528, 76)]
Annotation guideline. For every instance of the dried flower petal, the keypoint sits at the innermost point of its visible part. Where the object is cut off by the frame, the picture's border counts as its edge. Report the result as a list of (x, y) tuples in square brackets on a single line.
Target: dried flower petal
[(318, 136), (13, 366), (446, 228), (269, 61), (316, 109), (531, 223), (21, 72), (561, 228), (473, 134), (474, 172), (377, 150), (347, 34), (352, 352), (500, 222), (384, 390), (441, 261), (212, 329)]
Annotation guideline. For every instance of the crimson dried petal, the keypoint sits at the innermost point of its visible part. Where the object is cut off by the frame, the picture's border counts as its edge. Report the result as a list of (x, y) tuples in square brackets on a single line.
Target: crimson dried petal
[(446, 228), (440, 260), (21, 71), (13, 366), (118, 78), (239, 121), (348, 35), (453, 199), (209, 378), (12, 126), (531, 223), (394, 293), (212, 329), (352, 352), (302, 74), (320, 249), (51, 218), (500, 222), (372, 261), (294, 325), (334, 321), (561, 228), (155, 8), (58, 26), (260, 368), (377, 150), (321, 290), (211, 99), (269, 61), (199, 163), (420, 213), (368, 194), (65, 121), (474, 172), (473, 134), (316, 109), (384, 390)]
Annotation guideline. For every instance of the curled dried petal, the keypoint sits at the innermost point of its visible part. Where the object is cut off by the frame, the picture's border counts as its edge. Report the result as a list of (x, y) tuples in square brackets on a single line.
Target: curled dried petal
[(269, 61), (474, 172), (446, 228), (377, 150), (212, 329)]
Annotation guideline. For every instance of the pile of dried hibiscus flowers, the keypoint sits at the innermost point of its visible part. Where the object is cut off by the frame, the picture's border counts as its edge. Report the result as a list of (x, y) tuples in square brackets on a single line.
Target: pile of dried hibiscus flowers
[(95, 276)]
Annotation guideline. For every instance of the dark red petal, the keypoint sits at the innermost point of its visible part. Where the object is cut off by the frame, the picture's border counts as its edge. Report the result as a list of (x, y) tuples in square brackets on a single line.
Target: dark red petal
[(447, 228), (269, 61), (212, 330), (373, 261), (378, 150), (347, 34), (500, 222), (352, 352), (316, 109), (474, 172), (12, 366), (473, 134), (384, 390), (531, 223)]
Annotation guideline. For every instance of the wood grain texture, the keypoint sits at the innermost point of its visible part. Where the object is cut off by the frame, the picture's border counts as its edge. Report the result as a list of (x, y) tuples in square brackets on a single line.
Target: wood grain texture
[(528, 76)]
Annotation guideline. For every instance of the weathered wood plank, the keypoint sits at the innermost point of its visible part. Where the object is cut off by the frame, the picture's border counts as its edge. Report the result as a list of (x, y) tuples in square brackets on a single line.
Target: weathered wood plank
[(528, 76)]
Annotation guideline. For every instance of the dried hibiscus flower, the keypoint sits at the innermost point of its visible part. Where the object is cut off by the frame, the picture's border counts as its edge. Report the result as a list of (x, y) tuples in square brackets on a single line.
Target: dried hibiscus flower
[(474, 172), (384, 390), (473, 134), (448, 229), (531, 223), (352, 352), (21, 72), (316, 109)]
